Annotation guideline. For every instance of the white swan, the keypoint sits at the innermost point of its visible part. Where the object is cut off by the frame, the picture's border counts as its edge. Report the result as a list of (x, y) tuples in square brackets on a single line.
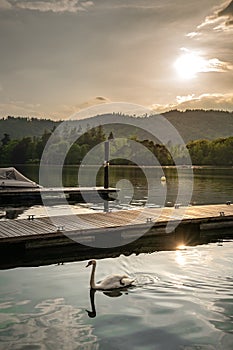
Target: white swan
[(110, 282)]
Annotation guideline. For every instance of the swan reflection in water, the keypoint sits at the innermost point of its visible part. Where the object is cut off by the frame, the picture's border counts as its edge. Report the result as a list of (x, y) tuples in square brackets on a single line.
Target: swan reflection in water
[(111, 293)]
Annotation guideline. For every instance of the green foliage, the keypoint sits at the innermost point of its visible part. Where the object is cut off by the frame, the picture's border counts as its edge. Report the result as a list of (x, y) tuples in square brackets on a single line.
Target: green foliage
[(6, 139), (216, 152), (29, 149), (84, 143), (6, 152), (20, 127)]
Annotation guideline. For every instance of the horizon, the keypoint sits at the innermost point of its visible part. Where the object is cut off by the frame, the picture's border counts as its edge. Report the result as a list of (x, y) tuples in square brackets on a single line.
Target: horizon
[(29, 118), (61, 57)]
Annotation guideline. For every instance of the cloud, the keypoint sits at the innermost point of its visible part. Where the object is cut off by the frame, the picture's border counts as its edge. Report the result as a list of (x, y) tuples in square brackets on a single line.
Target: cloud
[(5, 5), (215, 101), (66, 111), (228, 13), (215, 65), (93, 101), (206, 101), (192, 62), (220, 20), (182, 99), (213, 37), (21, 108), (101, 98), (56, 6)]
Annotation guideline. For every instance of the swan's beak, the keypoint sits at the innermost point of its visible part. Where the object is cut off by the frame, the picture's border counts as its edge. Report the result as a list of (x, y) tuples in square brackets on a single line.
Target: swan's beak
[(88, 264)]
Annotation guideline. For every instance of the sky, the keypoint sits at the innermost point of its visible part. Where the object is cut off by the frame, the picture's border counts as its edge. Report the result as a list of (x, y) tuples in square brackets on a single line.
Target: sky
[(58, 57)]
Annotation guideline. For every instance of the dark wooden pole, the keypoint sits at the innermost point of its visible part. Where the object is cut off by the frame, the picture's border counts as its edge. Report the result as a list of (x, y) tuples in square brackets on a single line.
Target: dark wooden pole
[(106, 164)]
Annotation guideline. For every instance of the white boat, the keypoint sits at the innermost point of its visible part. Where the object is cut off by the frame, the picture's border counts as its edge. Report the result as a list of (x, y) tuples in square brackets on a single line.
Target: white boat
[(2, 214), (12, 178)]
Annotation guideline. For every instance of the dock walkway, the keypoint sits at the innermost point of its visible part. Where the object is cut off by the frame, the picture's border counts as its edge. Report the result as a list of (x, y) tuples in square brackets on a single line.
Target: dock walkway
[(41, 241), (207, 216)]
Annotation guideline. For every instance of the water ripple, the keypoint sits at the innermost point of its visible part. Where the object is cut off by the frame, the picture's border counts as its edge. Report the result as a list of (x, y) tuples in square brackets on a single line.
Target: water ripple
[(181, 300), (53, 323)]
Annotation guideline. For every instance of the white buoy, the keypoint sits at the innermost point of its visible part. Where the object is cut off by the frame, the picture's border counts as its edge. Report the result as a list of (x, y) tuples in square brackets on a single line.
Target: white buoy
[(163, 178)]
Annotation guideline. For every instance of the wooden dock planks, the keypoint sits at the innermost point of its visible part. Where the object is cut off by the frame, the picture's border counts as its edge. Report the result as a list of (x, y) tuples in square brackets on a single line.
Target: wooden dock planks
[(10, 230)]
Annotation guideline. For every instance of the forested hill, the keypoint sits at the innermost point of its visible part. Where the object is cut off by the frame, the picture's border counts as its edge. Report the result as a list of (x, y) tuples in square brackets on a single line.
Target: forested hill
[(191, 124), (200, 124), (19, 127)]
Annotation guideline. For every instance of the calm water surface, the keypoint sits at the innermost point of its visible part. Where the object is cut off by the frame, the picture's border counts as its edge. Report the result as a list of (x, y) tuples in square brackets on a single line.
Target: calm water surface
[(182, 300), (210, 185)]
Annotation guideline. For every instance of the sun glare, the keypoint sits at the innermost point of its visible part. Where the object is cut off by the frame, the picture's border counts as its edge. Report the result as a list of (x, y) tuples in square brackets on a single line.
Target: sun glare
[(189, 64), (181, 247)]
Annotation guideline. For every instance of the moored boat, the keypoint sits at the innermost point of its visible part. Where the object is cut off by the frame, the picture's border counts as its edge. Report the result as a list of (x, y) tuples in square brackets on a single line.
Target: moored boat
[(12, 178)]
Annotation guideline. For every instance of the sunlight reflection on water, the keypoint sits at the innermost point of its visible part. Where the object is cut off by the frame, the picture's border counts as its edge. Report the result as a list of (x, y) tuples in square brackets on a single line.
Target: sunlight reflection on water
[(182, 300)]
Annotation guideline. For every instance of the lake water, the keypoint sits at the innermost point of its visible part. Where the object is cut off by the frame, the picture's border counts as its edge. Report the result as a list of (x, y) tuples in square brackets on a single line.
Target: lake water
[(210, 186), (182, 300)]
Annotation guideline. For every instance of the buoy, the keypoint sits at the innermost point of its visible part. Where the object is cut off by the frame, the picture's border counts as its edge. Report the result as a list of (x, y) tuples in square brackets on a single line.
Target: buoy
[(163, 178)]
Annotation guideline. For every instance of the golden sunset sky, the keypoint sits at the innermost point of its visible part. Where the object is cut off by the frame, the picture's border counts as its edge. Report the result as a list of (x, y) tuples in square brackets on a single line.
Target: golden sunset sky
[(58, 57)]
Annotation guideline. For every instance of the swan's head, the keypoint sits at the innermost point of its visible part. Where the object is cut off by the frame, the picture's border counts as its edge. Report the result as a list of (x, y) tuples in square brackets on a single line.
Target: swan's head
[(91, 314), (91, 262)]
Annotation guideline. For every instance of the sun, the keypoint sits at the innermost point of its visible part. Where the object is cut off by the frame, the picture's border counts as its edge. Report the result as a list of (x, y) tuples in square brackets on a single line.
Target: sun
[(189, 64)]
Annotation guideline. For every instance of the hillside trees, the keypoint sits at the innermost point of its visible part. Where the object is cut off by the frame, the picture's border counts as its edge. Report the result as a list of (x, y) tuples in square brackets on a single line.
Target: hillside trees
[(6, 139), (28, 150), (217, 152)]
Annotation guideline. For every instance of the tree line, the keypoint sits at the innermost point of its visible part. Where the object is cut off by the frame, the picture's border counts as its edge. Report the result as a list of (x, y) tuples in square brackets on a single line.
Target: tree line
[(29, 150)]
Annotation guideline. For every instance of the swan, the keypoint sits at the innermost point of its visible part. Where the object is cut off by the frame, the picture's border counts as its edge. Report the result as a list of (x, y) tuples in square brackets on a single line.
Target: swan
[(110, 282)]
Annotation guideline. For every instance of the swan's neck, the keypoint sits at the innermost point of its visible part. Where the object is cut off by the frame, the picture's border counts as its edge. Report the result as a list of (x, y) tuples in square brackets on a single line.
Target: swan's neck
[(92, 280)]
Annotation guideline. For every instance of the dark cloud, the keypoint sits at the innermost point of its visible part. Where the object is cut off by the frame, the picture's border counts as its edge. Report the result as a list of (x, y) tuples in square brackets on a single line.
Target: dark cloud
[(101, 98), (227, 12), (220, 19)]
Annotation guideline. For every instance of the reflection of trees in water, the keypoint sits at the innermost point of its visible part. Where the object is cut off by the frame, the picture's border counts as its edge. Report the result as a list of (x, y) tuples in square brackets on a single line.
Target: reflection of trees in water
[(52, 323)]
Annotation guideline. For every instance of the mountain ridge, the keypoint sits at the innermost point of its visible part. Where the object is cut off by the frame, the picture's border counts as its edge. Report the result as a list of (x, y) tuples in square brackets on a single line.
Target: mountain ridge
[(191, 124)]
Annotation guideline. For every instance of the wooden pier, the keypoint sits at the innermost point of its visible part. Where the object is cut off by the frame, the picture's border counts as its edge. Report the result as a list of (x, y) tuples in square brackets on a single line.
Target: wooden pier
[(26, 242), (32, 196)]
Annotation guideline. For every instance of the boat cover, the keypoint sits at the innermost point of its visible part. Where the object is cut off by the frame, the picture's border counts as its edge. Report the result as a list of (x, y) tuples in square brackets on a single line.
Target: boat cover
[(10, 177)]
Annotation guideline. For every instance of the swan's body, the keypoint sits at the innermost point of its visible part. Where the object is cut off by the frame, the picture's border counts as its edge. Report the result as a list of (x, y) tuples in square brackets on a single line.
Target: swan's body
[(110, 282)]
